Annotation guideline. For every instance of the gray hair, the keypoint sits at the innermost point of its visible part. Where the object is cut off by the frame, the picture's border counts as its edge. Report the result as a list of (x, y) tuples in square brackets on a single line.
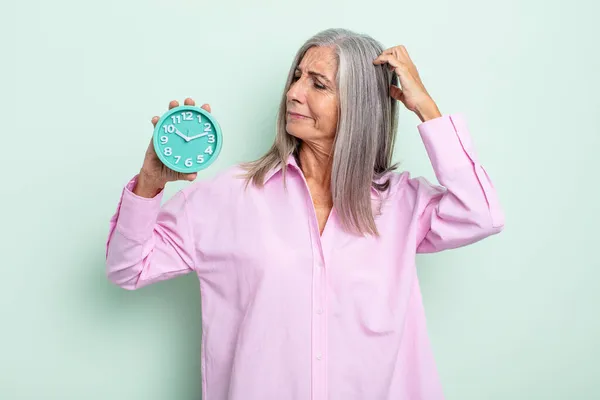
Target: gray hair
[(366, 129)]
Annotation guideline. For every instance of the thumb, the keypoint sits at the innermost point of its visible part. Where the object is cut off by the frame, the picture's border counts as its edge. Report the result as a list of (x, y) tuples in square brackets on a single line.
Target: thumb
[(396, 93), (185, 177)]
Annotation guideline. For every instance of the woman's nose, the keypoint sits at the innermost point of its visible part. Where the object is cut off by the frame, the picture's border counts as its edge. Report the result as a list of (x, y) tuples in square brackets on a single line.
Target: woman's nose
[(296, 92)]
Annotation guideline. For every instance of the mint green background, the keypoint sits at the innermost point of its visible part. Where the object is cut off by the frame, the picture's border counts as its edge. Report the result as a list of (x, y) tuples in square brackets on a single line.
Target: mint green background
[(512, 317)]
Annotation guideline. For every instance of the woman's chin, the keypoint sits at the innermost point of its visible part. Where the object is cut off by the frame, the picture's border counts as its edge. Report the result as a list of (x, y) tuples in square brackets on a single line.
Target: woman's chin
[(295, 132)]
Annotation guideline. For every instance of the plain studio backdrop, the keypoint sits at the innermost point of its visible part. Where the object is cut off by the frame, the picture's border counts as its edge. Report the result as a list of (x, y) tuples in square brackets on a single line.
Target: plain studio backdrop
[(512, 317)]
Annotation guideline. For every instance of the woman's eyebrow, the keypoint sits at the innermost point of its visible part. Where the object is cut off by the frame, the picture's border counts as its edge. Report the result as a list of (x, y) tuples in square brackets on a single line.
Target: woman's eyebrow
[(315, 73)]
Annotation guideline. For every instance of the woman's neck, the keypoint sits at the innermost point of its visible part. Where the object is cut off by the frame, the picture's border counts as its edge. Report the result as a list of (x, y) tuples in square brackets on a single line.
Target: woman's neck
[(316, 165)]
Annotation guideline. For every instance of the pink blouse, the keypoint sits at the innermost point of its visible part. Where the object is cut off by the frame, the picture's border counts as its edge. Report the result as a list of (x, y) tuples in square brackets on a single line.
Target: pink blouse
[(288, 313)]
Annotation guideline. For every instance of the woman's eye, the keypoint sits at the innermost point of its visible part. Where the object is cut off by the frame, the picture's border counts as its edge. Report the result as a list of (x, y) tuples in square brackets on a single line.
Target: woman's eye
[(319, 86)]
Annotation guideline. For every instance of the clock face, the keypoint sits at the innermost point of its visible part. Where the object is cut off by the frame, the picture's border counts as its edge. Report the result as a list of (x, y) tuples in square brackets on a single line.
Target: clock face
[(187, 139)]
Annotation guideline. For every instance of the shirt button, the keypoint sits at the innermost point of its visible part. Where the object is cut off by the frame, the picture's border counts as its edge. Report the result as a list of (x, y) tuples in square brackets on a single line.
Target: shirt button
[(319, 311), (319, 356)]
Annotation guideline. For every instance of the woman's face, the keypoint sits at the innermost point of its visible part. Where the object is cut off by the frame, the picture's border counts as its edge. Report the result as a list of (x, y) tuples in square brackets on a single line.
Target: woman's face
[(312, 99)]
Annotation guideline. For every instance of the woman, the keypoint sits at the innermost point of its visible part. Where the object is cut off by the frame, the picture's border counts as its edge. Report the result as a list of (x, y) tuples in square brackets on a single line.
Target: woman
[(306, 257)]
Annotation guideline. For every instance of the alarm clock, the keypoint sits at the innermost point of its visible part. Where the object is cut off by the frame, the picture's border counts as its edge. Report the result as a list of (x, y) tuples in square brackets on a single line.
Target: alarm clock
[(187, 139)]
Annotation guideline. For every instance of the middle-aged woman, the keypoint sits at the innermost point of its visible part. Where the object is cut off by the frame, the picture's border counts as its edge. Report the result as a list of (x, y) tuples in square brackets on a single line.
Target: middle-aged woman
[(306, 256)]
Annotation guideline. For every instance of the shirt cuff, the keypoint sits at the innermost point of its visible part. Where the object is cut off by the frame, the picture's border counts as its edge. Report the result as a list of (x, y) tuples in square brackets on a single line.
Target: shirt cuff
[(448, 143), (137, 214)]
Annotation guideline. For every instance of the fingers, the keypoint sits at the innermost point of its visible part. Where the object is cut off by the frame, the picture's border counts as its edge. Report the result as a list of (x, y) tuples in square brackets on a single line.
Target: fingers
[(398, 53), (190, 102), (386, 57), (396, 61), (174, 103), (405, 52), (392, 61)]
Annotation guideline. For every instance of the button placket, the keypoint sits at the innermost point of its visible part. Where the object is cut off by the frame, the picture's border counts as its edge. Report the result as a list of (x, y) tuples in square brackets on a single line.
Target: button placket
[(320, 330), (319, 338), (318, 324)]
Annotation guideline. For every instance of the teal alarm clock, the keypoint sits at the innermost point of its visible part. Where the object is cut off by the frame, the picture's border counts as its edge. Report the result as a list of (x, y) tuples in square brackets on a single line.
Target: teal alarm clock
[(187, 139)]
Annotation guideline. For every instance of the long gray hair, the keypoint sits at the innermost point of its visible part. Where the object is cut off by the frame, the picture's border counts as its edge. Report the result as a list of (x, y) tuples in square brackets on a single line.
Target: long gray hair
[(366, 128)]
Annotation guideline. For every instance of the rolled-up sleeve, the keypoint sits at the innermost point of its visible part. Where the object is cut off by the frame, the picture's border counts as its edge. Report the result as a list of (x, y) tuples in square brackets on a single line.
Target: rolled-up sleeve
[(148, 242), (464, 207)]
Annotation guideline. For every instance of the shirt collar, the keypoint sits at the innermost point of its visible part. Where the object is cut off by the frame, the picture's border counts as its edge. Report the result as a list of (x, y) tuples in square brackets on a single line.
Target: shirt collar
[(291, 161)]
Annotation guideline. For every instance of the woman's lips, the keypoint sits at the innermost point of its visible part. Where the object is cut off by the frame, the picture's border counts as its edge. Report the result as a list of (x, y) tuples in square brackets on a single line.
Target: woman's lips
[(296, 115)]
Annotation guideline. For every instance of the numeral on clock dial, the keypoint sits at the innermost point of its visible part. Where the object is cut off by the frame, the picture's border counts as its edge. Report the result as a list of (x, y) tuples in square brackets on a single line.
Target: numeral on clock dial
[(184, 124)]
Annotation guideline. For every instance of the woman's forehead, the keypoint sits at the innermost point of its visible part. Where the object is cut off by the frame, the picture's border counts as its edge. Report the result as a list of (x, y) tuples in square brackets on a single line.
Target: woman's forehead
[(319, 59)]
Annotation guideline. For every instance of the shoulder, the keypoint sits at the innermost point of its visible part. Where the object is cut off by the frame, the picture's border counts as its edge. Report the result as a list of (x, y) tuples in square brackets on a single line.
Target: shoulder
[(220, 184), (404, 184)]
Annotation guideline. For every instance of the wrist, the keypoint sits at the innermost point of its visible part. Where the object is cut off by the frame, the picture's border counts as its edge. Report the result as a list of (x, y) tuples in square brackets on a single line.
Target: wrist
[(146, 187), (427, 110)]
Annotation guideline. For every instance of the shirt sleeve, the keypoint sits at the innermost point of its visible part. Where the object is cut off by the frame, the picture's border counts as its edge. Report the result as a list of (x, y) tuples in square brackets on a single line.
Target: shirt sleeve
[(464, 207), (148, 242)]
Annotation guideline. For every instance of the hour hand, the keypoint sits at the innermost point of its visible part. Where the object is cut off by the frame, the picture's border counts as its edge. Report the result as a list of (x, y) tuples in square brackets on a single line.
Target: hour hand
[(178, 133)]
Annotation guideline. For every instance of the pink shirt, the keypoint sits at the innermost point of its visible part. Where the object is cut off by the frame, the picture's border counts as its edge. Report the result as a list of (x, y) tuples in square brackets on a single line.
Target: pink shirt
[(290, 314)]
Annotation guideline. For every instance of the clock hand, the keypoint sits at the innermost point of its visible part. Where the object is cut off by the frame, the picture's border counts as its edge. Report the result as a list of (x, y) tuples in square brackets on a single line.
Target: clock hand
[(178, 133), (199, 136)]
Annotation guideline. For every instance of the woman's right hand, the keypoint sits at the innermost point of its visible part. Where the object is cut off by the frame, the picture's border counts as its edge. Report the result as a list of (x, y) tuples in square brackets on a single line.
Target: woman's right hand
[(154, 175)]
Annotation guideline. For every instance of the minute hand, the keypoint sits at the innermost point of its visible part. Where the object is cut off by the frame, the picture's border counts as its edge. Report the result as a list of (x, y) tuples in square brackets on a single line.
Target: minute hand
[(198, 136)]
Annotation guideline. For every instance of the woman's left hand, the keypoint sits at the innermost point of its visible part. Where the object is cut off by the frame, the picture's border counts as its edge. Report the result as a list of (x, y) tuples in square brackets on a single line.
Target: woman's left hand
[(412, 92)]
